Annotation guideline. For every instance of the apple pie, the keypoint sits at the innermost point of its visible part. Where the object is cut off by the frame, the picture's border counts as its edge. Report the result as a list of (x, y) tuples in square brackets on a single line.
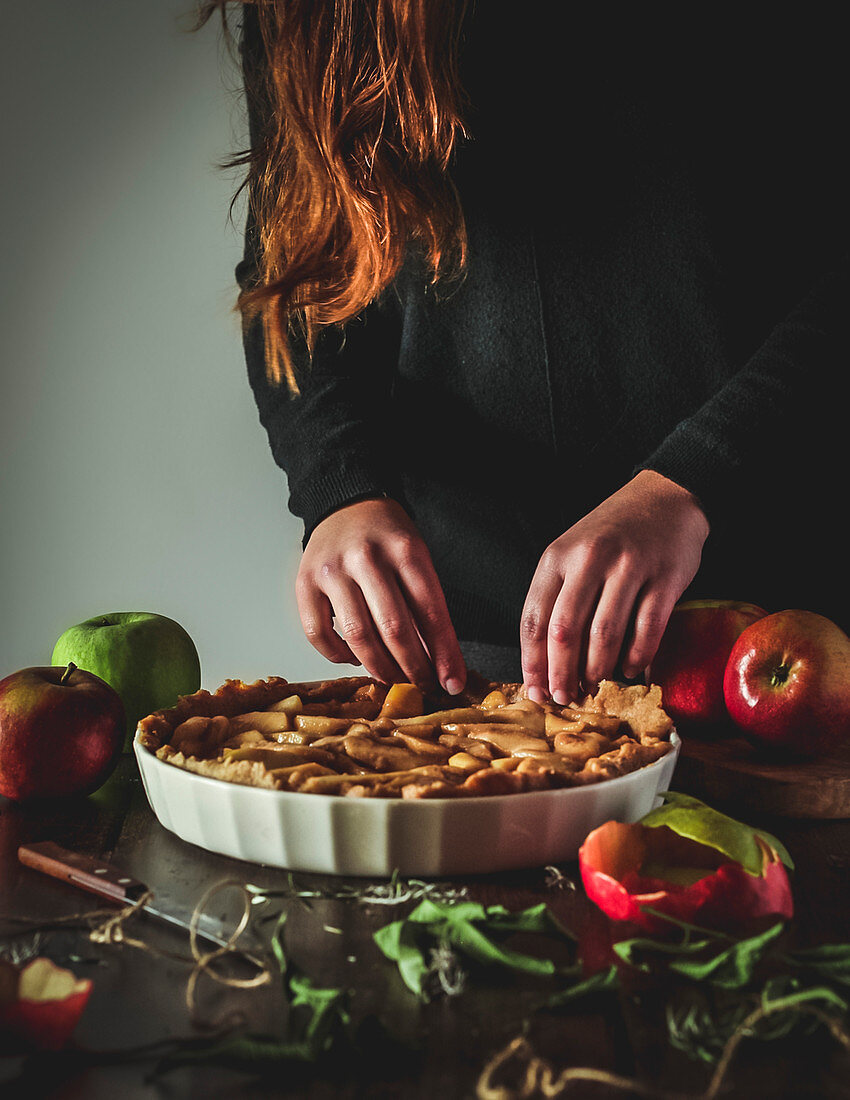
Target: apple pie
[(357, 737)]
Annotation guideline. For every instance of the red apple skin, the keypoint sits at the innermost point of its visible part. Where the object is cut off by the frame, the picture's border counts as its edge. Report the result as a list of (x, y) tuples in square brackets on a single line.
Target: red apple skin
[(58, 737), (45, 1022), (787, 683), (727, 898), (691, 659)]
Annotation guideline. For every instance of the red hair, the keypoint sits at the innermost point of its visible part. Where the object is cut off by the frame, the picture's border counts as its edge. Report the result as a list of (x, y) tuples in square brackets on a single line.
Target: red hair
[(360, 105)]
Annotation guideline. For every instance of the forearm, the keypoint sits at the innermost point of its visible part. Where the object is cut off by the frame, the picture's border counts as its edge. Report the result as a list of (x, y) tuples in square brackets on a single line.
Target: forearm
[(331, 438), (774, 399)]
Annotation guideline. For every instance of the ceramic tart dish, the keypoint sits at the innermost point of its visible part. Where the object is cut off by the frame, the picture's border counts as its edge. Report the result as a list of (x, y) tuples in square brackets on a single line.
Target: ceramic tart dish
[(351, 777)]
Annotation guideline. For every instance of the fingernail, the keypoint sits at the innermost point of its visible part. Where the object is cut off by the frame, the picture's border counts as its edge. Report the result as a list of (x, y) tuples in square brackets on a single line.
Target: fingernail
[(454, 686), (561, 698), (537, 695)]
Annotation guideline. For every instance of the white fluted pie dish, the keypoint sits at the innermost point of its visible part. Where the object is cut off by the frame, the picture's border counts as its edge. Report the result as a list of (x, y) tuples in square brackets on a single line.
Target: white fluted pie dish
[(335, 835)]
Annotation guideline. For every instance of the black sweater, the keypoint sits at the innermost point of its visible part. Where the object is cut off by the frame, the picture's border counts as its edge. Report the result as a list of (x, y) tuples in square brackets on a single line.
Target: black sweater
[(657, 215)]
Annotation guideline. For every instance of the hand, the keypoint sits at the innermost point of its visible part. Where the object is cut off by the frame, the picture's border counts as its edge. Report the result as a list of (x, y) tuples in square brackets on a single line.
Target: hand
[(367, 567), (603, 592)]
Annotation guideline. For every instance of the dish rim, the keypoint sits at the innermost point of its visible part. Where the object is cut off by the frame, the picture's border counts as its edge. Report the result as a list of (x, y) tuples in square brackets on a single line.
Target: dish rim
[(334, 799)]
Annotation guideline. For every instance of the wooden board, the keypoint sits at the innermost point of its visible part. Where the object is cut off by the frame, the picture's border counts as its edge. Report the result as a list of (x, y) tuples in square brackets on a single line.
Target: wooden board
[(730, 771)]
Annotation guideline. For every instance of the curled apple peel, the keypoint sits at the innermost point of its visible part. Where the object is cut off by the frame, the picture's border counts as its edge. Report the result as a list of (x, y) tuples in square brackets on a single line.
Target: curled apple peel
[(688, 862), (41, 1002)]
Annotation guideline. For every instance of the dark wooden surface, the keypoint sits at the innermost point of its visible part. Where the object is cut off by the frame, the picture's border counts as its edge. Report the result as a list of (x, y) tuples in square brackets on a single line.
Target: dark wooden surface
[(425, 1050), (731, 768)]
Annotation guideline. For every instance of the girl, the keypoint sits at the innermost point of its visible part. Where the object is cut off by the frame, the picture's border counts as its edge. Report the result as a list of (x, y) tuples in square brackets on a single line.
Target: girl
[(541, 322)]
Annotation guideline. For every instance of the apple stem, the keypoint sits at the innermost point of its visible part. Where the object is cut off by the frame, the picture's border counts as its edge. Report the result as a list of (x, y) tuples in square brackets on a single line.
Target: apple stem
[(779, 676), (71, 667)]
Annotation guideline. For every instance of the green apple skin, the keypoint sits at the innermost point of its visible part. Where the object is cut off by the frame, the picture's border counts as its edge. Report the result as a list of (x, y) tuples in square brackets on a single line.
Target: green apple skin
[(61, 733), (149, 659)]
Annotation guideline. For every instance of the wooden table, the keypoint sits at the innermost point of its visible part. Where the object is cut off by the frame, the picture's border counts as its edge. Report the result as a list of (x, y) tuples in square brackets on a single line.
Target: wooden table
[(406, 1048)]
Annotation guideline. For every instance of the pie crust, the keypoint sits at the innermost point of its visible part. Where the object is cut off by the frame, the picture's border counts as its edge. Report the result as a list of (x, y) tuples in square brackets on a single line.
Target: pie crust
[(357, 737)]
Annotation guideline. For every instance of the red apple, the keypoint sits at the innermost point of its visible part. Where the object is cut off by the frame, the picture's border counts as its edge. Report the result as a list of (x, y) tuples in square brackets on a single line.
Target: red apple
[(787, 683), (41, 1003), (686, 861), (628, 870), (61, 732), (692, 655)]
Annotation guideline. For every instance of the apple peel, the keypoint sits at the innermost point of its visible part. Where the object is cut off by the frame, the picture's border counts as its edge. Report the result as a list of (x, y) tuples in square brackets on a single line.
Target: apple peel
[(687, 862), (41, 1003)]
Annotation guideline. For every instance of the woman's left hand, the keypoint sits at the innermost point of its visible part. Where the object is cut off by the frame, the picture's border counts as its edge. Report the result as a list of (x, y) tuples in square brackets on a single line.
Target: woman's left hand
[(602, 593)]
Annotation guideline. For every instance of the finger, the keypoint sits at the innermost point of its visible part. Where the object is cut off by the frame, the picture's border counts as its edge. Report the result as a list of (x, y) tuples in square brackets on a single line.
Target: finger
[(653, 608), (355, 624), (316, 614), (569, 627), (395, 626), (431, 615), (534, 625), (610, 626)]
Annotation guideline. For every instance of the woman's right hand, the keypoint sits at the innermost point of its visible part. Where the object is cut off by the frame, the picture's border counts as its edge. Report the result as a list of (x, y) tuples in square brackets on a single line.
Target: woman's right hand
[(368, 594)]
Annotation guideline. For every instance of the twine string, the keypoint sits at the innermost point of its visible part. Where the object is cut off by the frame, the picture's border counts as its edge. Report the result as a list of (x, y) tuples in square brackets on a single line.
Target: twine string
[(203, 961), (112, 931), (539, 1077)]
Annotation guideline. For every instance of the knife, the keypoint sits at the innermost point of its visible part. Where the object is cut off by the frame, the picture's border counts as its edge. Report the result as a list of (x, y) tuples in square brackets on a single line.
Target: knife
[(107, 881)]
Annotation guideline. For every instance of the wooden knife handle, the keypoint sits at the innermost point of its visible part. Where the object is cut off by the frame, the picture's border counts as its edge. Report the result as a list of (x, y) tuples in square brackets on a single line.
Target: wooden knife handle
[(95, 875)]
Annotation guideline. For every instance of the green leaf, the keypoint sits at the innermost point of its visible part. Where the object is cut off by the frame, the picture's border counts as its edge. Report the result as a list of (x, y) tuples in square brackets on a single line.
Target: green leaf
[(326, 1010), (687, 928), (430, 912), (731, 967), (472, 941), (696, 821), (805, 996), (469, 928), (604, 981), (634, 950), (831, 960), (240, 1052), (277, 944), (317, 998), (398, 943), (314, 1011), (701, 1020)]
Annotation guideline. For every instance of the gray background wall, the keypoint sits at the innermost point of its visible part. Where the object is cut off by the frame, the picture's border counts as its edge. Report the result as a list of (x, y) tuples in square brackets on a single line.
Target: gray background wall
[(134, 474)]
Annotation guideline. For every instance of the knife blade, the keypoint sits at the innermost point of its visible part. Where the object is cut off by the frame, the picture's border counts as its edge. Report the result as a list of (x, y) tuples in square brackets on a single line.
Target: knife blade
[(97, 876)]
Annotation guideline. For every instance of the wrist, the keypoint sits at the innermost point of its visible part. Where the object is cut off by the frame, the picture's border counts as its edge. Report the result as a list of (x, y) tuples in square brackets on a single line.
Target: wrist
[(664, 489)]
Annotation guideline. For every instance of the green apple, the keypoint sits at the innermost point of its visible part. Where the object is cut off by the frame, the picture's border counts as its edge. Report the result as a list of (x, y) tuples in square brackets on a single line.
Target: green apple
[(149, 659)]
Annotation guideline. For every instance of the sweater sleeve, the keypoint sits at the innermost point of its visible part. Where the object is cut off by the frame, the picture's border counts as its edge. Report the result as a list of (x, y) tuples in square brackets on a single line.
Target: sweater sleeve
[(768, 416), (332, 438)]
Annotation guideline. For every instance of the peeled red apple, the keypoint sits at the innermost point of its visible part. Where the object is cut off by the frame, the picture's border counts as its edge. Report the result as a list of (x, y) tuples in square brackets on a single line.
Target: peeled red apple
[(61, 732), (787, 683), (692, 655), (41, 1003), (689, 862)]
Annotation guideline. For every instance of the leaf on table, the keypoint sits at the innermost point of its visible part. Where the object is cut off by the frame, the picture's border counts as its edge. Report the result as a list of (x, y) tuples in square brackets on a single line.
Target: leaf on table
[(316, 1016), (471, 929), (733, 966), (241, 1052), (831, 960), (701, 1020), (603, 981)]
